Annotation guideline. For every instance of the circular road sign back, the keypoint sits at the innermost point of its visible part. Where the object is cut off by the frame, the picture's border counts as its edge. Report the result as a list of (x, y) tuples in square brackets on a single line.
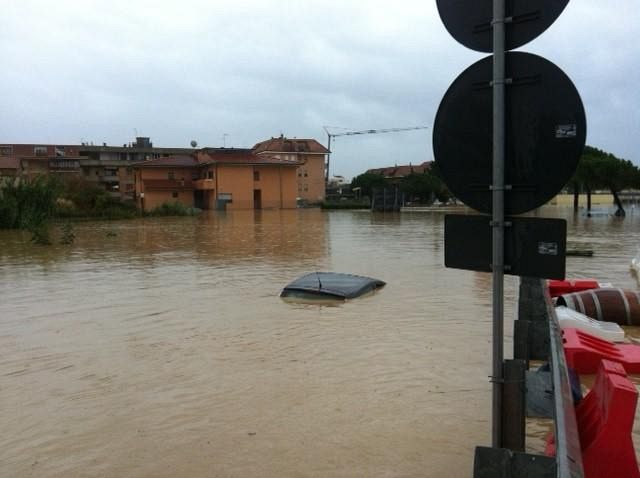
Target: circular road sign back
[(469, 21), (545, 133)]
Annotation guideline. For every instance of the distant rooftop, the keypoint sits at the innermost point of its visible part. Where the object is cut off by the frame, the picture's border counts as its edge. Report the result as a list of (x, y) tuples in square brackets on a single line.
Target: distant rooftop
[(214, 156), (283, 144), (402, 170)]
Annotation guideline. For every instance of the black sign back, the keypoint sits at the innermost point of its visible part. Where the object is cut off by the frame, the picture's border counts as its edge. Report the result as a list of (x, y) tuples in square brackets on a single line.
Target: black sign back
[(469, 21), (545, 133), (533, 247)]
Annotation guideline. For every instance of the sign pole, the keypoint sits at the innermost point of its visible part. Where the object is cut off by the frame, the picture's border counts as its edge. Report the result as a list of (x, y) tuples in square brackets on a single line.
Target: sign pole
[(498, 216)]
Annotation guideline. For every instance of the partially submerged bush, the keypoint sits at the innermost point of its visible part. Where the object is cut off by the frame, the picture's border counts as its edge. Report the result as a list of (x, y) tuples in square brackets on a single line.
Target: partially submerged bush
[(28, 204), (174, 209)]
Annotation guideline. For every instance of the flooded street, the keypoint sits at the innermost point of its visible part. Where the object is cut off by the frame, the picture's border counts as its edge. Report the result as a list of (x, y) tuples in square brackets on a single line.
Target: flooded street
[(160, 347)]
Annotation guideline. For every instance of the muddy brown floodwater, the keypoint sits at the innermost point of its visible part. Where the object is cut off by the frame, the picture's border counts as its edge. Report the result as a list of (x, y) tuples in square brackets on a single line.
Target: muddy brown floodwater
[(160, 347)]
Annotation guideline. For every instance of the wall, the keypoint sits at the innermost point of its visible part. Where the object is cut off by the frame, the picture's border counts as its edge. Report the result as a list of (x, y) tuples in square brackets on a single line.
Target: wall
[(238, 181), (311, 187), (125, 181), (154, 197), (28, 150), (289, 188), (277, 185)]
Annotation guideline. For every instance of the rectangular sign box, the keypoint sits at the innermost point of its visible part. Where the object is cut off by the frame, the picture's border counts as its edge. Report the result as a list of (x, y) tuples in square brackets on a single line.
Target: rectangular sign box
[(533, 247)]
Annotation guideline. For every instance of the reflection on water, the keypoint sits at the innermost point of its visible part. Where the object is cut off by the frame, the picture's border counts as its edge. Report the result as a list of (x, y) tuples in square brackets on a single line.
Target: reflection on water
[(160, 347)]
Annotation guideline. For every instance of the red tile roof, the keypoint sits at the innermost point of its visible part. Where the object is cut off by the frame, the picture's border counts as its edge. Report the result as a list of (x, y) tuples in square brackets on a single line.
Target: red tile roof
[(288, 145), (241, 157), (402, 170)]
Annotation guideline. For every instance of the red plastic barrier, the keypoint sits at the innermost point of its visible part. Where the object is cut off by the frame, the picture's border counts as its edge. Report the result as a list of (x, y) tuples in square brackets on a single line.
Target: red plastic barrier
[(584, 352), (605, 422), (560, 287)]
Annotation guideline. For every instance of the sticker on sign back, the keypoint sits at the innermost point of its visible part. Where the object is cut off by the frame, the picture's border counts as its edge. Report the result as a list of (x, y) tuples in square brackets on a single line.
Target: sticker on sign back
[(548, 248), (566, 131)]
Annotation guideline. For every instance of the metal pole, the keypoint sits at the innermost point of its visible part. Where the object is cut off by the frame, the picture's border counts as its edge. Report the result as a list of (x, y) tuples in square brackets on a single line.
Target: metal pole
[(326, 177), (498, 215)]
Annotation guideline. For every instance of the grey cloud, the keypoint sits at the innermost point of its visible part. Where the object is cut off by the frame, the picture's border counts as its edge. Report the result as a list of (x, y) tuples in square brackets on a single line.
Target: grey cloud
[(254, 69)]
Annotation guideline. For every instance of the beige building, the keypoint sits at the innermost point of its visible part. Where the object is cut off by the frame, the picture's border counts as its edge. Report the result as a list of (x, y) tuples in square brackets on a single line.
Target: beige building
[(310, 175), (216, 179)]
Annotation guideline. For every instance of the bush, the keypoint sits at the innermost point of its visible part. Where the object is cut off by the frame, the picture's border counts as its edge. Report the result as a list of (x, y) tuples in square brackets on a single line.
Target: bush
[(82, 198), (27, 204), (174, 209)]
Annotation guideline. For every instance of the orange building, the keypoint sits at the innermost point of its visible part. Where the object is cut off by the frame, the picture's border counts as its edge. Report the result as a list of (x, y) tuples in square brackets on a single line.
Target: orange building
[(217, 179), (310, 175)]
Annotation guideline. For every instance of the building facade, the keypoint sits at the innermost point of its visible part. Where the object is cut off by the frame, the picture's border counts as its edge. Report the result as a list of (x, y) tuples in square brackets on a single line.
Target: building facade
[(273, 174), (312, 156), (225, 178)]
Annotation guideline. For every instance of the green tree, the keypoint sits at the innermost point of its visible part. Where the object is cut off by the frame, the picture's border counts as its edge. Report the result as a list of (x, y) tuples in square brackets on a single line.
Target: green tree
[(599, 169), (367, 182)]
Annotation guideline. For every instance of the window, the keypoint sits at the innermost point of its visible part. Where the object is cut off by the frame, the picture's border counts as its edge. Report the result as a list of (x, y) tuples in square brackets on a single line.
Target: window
[(6, 150), (305, 174), (40, 150), (172, 175), (210, 174), (59, 151), (256, 175), (174, 194)]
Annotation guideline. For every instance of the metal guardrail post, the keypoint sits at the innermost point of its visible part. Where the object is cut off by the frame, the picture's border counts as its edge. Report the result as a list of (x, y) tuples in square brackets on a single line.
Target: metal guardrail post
[(513, 405)]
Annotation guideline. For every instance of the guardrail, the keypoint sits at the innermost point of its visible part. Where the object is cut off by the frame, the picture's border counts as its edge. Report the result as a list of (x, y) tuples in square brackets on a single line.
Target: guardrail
[(568, 454), (537, 336)]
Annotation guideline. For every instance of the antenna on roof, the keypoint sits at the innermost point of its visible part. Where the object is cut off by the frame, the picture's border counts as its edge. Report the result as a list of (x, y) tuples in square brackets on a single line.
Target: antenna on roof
[(224, 140), (193, 143)]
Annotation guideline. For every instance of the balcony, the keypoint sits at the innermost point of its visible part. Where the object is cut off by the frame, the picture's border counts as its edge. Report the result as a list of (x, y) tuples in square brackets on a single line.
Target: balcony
[(204, 184)]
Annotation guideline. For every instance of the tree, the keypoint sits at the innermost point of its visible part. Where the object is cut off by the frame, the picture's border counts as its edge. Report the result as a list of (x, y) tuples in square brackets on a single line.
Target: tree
[(367, 182), (599, 169), (418, 187), (424, 187)]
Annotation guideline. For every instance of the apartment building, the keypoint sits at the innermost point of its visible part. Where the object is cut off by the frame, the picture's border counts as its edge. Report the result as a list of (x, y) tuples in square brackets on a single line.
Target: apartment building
[(312, 156), (260, 177), (223, 178)]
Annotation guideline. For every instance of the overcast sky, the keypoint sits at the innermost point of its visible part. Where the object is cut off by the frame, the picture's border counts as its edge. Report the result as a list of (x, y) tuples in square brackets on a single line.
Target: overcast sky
[(102, 71)]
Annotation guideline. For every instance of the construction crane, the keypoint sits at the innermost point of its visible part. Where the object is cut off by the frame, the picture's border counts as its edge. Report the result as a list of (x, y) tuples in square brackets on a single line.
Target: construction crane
[(354, 133)]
